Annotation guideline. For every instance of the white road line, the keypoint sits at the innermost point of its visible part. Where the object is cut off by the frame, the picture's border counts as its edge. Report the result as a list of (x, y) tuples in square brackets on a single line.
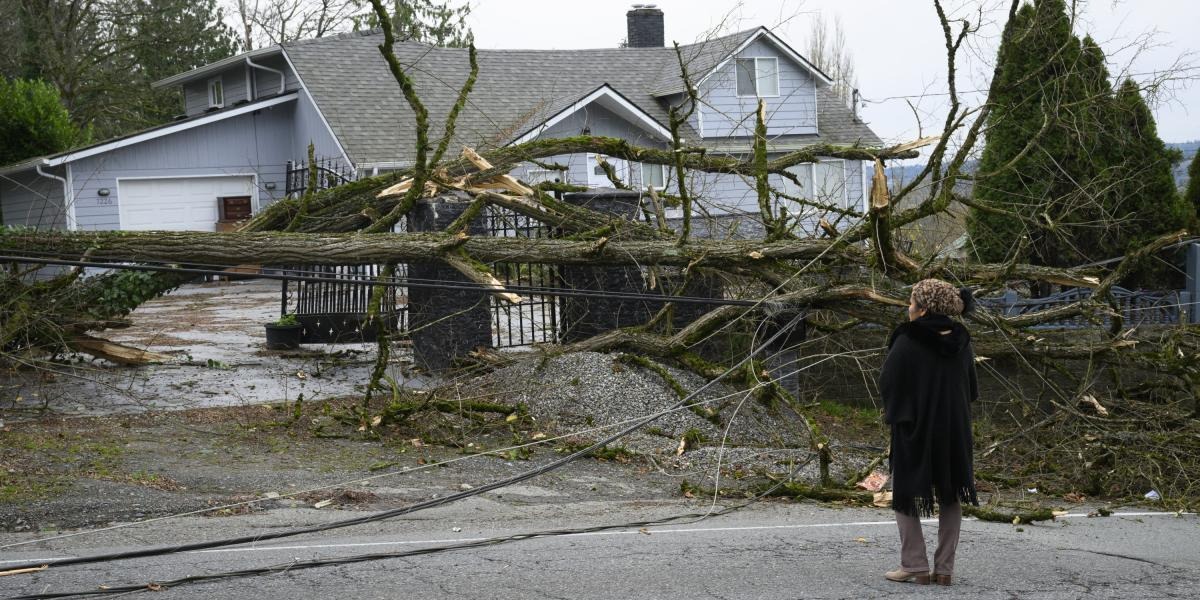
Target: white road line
[(594, 533)]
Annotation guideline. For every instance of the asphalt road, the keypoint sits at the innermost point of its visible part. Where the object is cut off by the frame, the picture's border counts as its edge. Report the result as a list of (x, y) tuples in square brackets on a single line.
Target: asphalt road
[(768, 550)]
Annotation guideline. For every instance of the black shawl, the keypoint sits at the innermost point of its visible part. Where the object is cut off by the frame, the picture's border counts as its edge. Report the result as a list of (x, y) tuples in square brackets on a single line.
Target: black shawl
[(927, 382)]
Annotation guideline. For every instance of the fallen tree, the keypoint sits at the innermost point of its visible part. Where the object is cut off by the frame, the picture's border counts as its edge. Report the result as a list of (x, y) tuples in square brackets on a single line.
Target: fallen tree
[(856, 274)]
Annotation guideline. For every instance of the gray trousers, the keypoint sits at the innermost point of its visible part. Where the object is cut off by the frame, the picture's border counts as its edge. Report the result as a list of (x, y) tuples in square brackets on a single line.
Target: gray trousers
[(912, 542)]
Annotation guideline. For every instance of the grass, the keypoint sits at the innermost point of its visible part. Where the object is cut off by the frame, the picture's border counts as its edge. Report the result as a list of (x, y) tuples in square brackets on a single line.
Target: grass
[(36, 465), (851, 415)]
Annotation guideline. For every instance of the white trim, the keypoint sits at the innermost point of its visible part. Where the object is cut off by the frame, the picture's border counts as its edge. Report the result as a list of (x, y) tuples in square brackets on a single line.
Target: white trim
[(863, 174), (157, 133), (249, 84), (700, 118), (606, 93), (779, 45), (212, 103), (198, 72), (254, 198), (317, 107), (778, 91)]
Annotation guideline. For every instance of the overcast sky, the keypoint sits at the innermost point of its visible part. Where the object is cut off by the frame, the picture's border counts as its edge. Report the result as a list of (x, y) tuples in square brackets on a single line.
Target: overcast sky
[(897, 44)]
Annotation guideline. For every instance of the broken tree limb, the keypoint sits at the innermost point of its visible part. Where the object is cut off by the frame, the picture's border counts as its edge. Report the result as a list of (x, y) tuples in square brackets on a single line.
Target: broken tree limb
[(479, 273), (114, 352)]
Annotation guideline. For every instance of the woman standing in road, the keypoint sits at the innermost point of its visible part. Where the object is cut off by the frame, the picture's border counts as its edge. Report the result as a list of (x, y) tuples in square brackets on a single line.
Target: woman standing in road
[(927, 382)]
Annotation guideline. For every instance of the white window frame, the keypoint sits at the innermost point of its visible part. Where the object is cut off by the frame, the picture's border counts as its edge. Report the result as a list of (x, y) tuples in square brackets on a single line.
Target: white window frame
[(661, 169), (845, 203), (757, 76), (217, 84)]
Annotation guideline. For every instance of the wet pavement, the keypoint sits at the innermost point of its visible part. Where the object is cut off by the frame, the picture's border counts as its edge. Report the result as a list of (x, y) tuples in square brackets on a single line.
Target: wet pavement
[(213, 333)]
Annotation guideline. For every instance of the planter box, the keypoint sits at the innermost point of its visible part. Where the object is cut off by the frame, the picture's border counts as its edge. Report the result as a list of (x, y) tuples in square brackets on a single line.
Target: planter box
[(284, 337)]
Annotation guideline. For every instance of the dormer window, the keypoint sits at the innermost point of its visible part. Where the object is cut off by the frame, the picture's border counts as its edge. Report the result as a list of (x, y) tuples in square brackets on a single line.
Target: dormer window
[(758, 77), (216, 95)]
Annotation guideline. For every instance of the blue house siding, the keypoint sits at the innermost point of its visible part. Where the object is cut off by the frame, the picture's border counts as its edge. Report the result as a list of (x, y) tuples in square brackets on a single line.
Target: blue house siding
[(233, 81), (258, 143), (310, 128), (30, 200), (599, 121), (724, 114)]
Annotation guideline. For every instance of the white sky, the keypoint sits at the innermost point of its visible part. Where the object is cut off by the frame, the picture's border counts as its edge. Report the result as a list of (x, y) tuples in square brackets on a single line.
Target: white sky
[(897, 45)]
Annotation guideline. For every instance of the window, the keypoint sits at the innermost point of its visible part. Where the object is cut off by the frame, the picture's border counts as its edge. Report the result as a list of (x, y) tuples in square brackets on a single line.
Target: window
[(829, 182), (757, 76), (536, 176), (823, 182), (216, 95), (653, 175)]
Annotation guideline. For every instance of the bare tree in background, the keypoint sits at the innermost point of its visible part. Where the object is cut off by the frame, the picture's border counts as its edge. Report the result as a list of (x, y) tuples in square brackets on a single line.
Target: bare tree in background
[(827, 49), (265, 22)]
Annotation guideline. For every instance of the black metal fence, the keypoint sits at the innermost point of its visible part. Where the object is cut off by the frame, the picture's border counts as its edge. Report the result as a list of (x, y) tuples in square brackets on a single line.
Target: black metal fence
[(535, 320), (333, 308), (331, 172)]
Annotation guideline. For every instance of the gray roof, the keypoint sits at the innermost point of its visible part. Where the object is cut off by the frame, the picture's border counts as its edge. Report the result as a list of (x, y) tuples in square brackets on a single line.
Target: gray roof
[(516, 90)]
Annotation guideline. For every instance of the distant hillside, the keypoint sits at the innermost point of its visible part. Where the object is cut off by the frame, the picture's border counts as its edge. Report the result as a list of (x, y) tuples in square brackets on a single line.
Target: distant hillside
[(1189, 151)]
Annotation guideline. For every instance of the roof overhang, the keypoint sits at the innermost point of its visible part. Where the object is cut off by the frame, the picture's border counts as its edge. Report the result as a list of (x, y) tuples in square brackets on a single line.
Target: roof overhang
[(762, 33), (209, 69), (54, 160), (610, 99)]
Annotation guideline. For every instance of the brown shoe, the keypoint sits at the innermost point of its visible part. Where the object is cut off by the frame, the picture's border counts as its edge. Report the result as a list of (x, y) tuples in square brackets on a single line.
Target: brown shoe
[(941, 579), (902, 576)]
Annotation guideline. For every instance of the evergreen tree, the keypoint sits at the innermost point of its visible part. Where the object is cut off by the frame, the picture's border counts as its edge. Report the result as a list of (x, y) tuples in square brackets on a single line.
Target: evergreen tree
[(1037, 80), (1149, 202), (1192, 195), (33, 121), (1096, 180), (102, 55)]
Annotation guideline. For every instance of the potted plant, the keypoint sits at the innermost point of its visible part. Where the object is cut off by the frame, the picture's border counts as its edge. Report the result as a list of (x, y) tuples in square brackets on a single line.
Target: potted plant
[(285, 333)]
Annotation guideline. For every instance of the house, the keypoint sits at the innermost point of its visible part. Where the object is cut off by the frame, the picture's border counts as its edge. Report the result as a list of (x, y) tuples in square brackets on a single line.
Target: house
[(250, 118)]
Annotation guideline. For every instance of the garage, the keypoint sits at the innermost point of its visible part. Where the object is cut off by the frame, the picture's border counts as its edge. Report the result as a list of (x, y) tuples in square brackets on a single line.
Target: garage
[(184, 203)]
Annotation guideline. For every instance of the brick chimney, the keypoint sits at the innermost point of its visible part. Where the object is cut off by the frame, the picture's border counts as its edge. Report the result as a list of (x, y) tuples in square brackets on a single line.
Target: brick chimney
[(645, 23)]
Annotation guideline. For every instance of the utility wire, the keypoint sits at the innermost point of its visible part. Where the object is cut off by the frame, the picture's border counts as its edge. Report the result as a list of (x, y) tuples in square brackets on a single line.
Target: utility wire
[(163, 550), (358, 558), (389, 282)]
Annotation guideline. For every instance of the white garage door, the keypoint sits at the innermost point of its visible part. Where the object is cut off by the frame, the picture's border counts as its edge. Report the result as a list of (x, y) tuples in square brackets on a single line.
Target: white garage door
[(177, 204)]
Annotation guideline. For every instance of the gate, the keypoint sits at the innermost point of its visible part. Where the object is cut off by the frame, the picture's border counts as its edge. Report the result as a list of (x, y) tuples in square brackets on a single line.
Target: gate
[(535, 319)]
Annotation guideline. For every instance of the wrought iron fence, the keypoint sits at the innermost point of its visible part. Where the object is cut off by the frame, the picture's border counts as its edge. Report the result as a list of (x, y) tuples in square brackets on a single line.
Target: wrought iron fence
[(535, 319), (333, 302), (331, 172)]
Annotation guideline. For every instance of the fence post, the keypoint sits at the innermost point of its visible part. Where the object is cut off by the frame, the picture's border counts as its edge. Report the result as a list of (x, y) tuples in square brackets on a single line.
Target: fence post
[(1193, 283), (583, 318), (445, 324)]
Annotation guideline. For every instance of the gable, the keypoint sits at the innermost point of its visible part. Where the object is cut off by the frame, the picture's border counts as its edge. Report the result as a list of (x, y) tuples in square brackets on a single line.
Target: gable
[(614, 116)]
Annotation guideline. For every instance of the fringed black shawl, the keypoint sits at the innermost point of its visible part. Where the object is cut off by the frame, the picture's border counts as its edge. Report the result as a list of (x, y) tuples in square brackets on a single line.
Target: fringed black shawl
[(927, 382)]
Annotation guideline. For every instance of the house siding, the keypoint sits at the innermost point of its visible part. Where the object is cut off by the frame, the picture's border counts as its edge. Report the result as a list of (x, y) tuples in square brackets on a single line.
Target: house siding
[(233, 82), (724, 114), (725, 194), (255, 143), (602, 122), (30, 200), (310, 128)]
